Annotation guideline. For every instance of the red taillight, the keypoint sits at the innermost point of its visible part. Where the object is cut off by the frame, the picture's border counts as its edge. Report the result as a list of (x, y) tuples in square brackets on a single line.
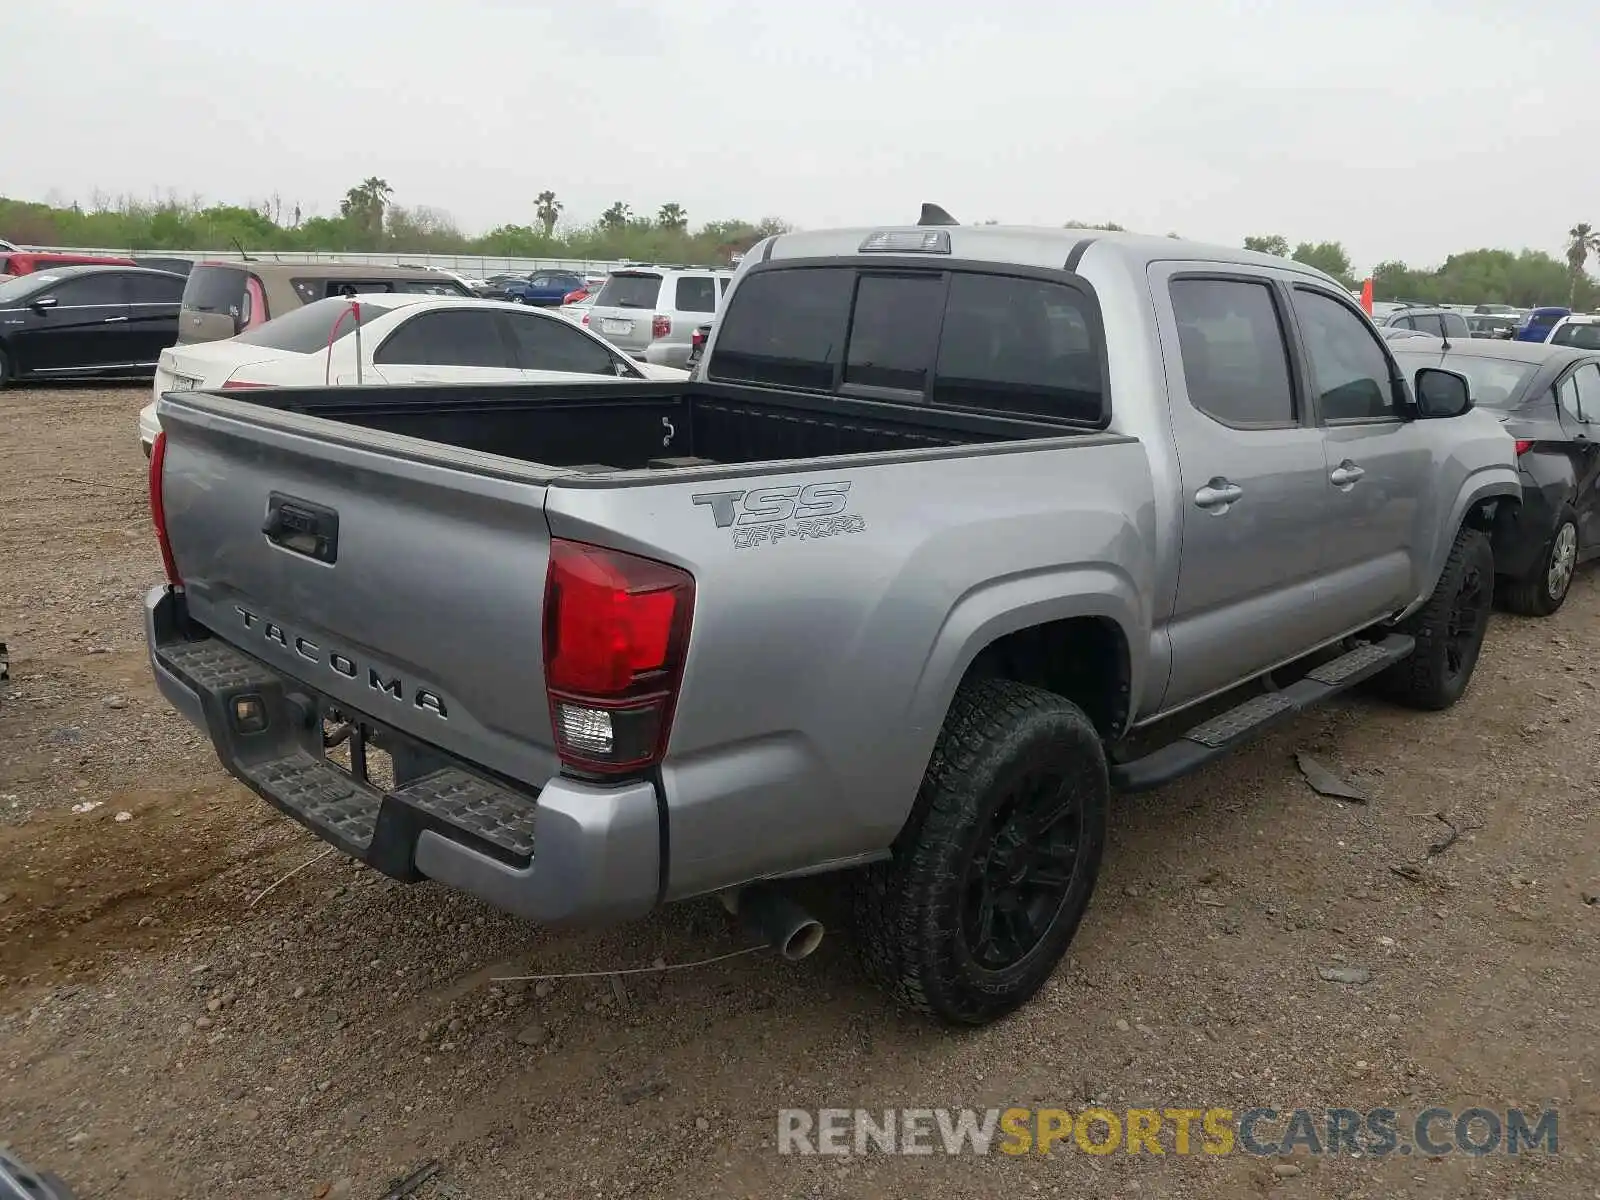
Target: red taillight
[(574, 297), (158, 509), (585, 320), (1523, 446), (660, 326), (229, 385), (616, 628), (697, 339)]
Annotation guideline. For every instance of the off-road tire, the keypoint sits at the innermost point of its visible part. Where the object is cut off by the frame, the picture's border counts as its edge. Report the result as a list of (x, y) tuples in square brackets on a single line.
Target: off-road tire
[(1530, 596), (1426, 679), (908, 910)]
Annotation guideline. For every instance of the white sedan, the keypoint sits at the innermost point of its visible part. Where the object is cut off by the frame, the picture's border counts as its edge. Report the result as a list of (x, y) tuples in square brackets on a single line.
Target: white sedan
[(403, 339)]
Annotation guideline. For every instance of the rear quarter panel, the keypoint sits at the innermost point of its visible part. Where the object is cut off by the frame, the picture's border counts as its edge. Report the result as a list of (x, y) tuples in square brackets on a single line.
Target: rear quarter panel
[(823, 657)]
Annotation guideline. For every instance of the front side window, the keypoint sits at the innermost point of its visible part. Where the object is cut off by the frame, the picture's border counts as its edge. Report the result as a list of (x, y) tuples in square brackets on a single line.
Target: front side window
[(463, 338), (550, 344), (1350, 372), (1235, 356)]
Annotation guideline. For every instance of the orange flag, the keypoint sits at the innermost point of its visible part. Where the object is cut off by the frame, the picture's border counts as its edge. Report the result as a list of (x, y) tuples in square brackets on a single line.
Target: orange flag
[(1366, 296)]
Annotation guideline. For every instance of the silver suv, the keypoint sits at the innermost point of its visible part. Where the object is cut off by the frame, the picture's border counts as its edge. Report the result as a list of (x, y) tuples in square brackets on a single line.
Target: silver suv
[(651, 312)]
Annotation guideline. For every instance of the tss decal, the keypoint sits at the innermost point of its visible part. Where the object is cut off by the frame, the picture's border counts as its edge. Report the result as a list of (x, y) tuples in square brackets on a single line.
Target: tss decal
[(798, 512)]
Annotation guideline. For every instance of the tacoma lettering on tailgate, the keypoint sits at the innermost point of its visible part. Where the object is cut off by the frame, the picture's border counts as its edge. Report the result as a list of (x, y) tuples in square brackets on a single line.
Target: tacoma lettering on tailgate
[(792, 512)]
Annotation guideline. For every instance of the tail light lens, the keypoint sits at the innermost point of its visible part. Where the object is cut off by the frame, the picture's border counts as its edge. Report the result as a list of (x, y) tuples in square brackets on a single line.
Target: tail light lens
[(660, 326), (697, 339), (158, 508), (574, 297), (585, 320), (1523, 446), (616, 630)]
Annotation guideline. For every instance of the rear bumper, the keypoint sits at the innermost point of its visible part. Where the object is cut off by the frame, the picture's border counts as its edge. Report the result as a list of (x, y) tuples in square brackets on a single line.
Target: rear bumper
[(571, 852), (668, 354)]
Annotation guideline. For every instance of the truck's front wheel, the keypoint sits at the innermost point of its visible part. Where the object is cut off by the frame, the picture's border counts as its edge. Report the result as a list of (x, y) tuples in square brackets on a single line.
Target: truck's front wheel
[(992, 874), (1449, 629)]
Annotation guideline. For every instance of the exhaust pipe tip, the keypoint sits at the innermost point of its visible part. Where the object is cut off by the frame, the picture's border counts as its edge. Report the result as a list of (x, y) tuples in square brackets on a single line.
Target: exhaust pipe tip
[(778, 921)]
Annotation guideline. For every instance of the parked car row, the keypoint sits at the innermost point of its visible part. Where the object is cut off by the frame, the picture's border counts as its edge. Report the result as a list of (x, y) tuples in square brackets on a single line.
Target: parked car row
[(1198, 493)]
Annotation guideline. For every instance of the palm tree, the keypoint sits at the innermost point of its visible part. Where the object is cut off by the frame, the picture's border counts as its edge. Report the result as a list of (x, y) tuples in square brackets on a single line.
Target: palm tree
[(616, 217), (366, 202), (672, 217), (1583, 240), (548, 210)]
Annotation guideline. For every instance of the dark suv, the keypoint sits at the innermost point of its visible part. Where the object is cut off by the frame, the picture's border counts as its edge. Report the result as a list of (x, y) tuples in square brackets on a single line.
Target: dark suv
[(1441, 322)]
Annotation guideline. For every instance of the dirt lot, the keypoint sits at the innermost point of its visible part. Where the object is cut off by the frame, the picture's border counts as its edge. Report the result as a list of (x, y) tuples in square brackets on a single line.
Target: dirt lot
[(165, 1030)]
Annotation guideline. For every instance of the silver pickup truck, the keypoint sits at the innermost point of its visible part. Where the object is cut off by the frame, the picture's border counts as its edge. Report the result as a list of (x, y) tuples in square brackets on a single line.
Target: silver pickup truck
[(956, 531)]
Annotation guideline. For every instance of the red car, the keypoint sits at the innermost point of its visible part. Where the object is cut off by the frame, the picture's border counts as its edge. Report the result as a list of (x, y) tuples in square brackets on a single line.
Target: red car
[(24, 263)]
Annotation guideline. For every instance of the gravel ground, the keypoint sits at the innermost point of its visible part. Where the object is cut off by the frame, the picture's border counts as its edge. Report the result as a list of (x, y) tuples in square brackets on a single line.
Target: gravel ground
[(168, 1030)]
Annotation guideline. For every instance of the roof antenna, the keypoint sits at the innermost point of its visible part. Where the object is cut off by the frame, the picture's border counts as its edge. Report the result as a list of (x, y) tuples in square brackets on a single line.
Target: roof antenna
[(237, 246), (932, 214)]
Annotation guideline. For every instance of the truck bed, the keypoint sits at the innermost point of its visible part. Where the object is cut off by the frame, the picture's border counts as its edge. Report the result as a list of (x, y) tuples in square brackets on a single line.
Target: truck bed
[(627, 426)]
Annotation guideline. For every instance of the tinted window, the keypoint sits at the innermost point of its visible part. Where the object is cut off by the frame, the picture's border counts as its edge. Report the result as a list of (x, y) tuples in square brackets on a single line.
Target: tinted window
[(1455, 325), (1542, 320), (430, 287), (696, 295), (552, 345), (1235, 360), (88, 289), (784, 328), (1587, 378), (1349, 370), (466, 338), (1585, 337), (154, 289), (1022, 347), (307, 329), (15, 290), (895, 332), (722, 285), (1404, 323), (214, 289), (630, 291)]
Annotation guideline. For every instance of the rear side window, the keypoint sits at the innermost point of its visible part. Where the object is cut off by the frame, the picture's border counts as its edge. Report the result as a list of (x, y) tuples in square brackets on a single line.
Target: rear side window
[(214, 289), (463, 338), (785, 328), (630, 291), (429, 287), (310, 290), (307, 329), (696, 295), (154, 289), (1235, 358), (550, 344)]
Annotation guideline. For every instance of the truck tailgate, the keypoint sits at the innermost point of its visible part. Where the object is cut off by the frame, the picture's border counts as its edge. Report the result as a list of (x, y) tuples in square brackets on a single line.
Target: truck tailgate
[(401, 580)]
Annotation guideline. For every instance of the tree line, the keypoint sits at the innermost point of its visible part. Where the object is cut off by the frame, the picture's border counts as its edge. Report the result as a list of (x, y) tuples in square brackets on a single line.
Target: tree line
[(369, 220)]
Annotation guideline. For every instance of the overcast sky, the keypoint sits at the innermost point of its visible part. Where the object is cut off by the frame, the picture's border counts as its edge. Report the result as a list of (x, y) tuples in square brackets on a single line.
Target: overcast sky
[(1407, 129)]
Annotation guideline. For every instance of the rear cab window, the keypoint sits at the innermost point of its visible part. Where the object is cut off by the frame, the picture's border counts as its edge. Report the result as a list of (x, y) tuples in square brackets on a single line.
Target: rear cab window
[(983, 342), (632, 289)]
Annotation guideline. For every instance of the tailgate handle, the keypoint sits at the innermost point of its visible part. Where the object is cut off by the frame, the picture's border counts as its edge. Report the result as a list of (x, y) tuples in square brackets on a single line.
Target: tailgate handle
[(302, 527)]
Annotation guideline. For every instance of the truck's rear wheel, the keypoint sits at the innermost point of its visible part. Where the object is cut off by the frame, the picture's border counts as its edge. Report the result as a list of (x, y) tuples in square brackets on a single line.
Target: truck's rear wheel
[(1449, 629), (992, 874)]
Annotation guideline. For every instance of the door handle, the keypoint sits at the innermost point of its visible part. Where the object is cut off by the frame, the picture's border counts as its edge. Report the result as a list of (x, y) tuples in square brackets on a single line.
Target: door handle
[(1345, 474), (114, 320), (1218, 494)]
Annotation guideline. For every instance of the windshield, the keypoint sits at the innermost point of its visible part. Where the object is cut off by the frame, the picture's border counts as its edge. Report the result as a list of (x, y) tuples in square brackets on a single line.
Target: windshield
[(19, 287), (1497, 383), (1584, 337)]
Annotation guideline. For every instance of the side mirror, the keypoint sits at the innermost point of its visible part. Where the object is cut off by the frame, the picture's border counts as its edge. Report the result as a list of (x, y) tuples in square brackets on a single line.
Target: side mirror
[(1442, 393), (43, 303)]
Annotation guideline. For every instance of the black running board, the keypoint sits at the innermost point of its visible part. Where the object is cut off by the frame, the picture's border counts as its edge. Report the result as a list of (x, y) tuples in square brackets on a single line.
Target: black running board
[(1222, 733)]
